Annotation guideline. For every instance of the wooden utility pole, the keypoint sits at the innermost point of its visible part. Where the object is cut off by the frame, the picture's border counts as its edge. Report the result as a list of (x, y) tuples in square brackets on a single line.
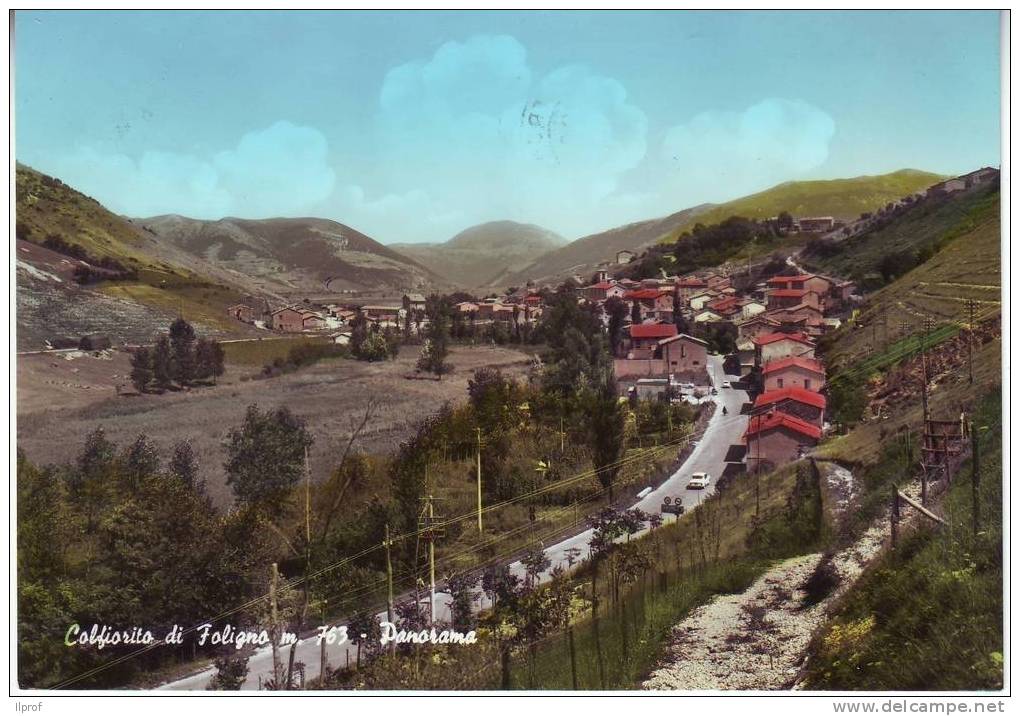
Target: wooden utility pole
[(971, 308), (924, 370), (274, 575), (894, 516), (432, 560), (308, 504), (428, 533), (322, 647), (389, 585), (975, 478), (479, 469)]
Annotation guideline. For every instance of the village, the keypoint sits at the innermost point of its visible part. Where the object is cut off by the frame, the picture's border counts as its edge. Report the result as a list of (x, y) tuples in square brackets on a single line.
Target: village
[(662, 331)]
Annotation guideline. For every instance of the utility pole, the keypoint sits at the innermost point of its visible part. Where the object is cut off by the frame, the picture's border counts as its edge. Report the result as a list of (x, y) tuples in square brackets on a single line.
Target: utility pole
[(308, 509), (975, 478), (479, 465), (924, 371), (432, 566), (971, 308), (274, 574), (389, 584), (322, 647), (885, 327), (429, 533)]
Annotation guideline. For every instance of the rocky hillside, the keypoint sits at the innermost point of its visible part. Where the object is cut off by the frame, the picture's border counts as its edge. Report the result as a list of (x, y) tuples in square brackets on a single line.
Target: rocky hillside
[(485, 255), (284, 255), (82, 269)]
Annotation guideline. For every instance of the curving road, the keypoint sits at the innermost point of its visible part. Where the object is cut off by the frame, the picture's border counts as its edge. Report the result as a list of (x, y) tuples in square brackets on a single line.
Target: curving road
[(708, 456)]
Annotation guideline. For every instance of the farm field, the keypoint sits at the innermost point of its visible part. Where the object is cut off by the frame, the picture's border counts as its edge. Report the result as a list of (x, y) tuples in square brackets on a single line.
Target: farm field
[(60, 401)]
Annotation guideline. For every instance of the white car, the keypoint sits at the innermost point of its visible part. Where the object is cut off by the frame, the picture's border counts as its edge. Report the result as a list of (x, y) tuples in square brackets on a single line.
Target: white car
[(726, 384), (699, 481)]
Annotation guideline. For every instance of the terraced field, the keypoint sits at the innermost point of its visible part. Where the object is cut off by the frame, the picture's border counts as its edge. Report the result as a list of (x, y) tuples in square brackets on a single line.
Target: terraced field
[(969, 267)]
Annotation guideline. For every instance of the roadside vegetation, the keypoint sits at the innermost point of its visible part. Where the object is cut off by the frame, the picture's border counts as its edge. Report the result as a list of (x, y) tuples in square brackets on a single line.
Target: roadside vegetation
[(928, 615), (607, 624), (554, 448)]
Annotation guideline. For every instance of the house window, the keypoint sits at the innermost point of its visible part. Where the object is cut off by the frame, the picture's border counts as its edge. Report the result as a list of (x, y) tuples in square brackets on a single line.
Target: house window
[(779, 382), (807, 383), (696, 362)]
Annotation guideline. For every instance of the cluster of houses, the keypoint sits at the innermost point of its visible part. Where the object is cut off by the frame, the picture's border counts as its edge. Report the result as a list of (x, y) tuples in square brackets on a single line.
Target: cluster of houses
[(789, 408), (331, 318), (776, 323), (652, 347), (524, 305)]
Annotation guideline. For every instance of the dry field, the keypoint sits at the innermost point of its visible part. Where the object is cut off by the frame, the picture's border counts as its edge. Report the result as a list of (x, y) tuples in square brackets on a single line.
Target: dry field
[(60, 401)]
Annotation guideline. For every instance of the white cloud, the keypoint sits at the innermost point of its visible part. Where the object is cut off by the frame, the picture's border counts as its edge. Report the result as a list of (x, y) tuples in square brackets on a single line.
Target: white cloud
[(719, 154), (273, 171), (277, 170), (476, 128)]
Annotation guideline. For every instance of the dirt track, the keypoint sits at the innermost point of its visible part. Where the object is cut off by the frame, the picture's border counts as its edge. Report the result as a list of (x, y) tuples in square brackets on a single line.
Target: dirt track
[(60, 400)]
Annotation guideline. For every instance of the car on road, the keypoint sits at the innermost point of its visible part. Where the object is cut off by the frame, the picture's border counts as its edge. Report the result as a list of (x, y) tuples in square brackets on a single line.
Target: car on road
[(726, 384), (699, 481)]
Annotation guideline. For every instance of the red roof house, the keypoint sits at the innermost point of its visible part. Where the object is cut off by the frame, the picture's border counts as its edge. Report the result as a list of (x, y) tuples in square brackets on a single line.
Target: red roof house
[(645, 337), (807, 405), (777, 437), (793, 371)]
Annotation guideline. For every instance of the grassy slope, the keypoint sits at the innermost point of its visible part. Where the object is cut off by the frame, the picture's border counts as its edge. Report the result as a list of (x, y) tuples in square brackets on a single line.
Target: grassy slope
[(842, 198), (46, 206), (921, 227), (968, 267), (929, 615)]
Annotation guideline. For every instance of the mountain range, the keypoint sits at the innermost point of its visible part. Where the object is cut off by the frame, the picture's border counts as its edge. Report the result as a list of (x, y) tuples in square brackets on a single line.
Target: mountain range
[(146, 271), (485, 255)]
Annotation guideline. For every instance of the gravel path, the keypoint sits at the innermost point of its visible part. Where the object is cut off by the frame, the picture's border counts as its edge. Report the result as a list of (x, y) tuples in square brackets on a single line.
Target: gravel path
[(757, 640)]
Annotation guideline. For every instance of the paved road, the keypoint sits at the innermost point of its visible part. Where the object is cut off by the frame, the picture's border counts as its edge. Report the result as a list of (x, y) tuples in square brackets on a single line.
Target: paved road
[(708, 456)]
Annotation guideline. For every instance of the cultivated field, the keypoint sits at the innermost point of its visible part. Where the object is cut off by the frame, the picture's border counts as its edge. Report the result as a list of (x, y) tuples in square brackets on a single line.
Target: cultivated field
[(60, 401)]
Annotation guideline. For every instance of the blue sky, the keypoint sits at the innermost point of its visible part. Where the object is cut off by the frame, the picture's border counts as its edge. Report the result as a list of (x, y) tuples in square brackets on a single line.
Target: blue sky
[(413, 126)]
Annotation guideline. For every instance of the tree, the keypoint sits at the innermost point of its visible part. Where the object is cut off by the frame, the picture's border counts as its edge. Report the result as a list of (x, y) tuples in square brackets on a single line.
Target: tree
[(162, 363), (616, 309), (209, 359), (784, 221), (635, 311), (436, 349), (183, 464), (363, 629), (231, 671), (140, 460), (359, 333), (375, 347), (462, 600), (605, 433), (141, 369), (265, 457), (535, 562), (182, 344)]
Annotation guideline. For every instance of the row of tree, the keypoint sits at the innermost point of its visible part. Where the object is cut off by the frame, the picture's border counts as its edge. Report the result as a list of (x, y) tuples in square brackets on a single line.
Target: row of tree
[(177, 358)]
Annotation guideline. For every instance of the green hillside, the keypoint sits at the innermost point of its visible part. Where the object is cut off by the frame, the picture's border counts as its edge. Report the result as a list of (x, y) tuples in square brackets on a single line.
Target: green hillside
[(905, 237), (842, 198), (148, 272), (929, 615)]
